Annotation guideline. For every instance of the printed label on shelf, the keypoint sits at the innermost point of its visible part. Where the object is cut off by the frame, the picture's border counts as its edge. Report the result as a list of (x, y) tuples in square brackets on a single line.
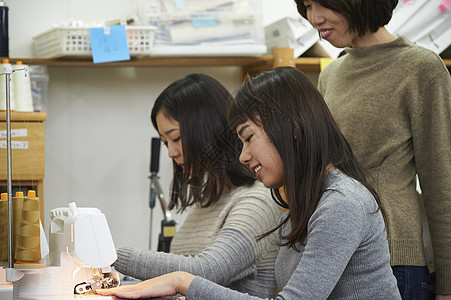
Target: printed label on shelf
[(15, 145), (14, 133)]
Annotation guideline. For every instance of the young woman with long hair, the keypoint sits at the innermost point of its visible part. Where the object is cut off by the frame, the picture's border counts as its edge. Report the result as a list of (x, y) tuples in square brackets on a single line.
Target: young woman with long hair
[(332, 240)]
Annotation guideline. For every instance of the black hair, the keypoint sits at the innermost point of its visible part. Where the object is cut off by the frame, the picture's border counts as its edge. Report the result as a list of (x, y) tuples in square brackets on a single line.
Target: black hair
[(361, 15), (297, 121), (210, 148)]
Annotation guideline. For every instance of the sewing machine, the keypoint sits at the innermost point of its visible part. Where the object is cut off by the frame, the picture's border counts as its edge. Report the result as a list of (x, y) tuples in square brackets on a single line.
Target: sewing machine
[(81, 253)]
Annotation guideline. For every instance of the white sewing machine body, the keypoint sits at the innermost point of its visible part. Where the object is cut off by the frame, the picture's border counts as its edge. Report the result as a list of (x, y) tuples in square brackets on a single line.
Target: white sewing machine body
[(81, 253)]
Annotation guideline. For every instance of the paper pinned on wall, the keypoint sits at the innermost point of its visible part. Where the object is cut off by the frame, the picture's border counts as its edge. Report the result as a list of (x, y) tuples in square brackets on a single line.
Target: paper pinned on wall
[(109, 45)]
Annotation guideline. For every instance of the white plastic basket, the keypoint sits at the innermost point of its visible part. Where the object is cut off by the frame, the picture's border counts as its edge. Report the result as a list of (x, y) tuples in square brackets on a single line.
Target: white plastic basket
[(75, 41)]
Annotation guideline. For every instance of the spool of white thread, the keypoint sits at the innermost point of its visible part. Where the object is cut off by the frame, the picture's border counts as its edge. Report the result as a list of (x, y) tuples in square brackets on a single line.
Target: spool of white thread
[(3, 90), (22, 88)]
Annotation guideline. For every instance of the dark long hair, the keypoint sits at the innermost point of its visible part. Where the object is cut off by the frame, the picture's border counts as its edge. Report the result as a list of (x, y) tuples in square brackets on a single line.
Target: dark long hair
[(298, 122), (361, 15), (210, 149)]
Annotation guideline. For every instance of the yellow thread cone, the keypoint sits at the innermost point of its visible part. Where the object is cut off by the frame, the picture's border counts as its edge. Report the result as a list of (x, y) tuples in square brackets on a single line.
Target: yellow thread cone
[(28, 247), (4, 227)]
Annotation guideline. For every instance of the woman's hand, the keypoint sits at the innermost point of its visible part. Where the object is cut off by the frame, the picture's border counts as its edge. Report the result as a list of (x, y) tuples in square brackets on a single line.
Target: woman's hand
[(166, 285)]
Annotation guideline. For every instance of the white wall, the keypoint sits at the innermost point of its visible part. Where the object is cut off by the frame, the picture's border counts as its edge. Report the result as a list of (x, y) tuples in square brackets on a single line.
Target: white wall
[(98, 129)]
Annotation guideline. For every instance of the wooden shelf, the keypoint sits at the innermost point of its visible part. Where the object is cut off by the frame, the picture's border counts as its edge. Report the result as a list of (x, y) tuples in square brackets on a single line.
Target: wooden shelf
[(307, 64), (24, 116), (302, 62), (149, 61), (248, 64)]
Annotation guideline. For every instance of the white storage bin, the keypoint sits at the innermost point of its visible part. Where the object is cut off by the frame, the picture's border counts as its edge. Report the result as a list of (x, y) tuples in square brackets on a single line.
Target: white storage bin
[(206, 27), (75, 41)]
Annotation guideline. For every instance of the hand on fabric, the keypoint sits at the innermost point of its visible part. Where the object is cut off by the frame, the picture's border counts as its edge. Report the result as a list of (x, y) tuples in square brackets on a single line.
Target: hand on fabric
[(443, 297), (166, 285)]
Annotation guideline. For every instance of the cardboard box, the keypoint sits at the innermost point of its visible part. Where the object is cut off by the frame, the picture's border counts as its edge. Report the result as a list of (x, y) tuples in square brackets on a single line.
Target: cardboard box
[(27, 151)]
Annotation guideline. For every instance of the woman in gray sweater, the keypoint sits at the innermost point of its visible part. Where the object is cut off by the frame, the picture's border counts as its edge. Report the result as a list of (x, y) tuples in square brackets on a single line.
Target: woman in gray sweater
[(332, 239)]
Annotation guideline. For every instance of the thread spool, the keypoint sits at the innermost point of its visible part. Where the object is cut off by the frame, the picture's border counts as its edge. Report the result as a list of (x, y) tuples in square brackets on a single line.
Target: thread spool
[(22, 88), (4, 227), (28, 249), (17, 215), (3, 90)]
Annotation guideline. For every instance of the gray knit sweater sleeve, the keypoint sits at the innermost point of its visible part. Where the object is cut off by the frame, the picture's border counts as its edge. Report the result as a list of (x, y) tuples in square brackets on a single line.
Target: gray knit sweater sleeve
[(345, 254), (231, 257)]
